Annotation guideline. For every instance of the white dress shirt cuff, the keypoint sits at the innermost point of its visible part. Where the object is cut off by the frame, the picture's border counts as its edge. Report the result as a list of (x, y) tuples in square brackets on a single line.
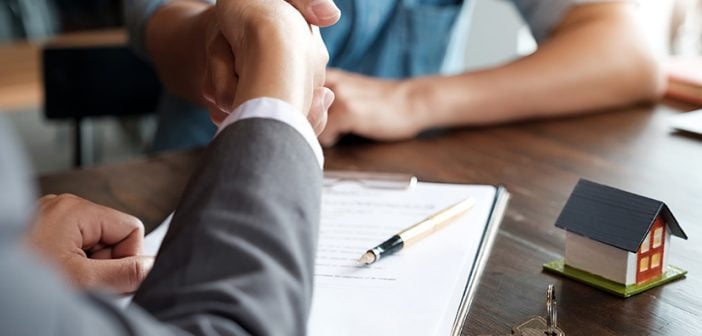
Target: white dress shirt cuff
[(276, 109)]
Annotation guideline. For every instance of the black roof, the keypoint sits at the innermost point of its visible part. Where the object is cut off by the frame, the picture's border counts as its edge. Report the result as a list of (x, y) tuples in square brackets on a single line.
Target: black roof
[(612, 216)]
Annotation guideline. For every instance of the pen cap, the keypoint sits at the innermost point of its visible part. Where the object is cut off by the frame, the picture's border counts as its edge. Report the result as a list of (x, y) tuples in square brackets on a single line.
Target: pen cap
[(436, 221)]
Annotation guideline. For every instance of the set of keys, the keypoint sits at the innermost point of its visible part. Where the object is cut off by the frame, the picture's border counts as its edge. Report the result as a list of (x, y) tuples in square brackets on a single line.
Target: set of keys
[(539, 326)]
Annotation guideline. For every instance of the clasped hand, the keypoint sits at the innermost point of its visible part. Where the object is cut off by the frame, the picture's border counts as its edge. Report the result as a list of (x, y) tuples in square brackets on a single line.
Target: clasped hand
[(94, 246), (253, 48), (257, 48)]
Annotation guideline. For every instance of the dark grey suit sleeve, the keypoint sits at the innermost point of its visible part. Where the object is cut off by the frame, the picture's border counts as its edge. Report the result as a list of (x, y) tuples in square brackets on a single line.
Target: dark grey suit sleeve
[(237, 260)]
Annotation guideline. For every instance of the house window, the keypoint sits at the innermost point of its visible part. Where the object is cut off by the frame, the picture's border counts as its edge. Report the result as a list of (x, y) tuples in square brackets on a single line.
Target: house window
[(643, 264), (645, 245), (656, 260), (657, 237)]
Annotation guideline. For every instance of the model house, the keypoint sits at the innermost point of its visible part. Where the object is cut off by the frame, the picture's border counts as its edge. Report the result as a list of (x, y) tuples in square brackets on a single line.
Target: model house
[(616, 235)]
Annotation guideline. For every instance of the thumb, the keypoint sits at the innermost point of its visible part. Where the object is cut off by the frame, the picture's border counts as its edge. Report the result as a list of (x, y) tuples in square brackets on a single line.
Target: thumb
[(122, 275), (321, 13)]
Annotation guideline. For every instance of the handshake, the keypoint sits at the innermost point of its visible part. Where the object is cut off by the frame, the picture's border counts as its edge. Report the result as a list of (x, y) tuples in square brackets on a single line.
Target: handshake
[(249, 49), (244, 49)]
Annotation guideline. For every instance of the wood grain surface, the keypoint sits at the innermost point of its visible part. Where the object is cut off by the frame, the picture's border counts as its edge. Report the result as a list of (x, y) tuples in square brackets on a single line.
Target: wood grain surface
[(539, 162)]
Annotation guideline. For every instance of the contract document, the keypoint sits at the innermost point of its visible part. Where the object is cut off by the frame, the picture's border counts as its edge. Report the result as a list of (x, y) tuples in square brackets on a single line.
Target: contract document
[(424, 289)]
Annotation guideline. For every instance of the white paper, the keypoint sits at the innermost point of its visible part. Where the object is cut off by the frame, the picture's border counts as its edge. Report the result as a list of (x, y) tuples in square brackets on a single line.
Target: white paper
[(688, 121), (416, 291)]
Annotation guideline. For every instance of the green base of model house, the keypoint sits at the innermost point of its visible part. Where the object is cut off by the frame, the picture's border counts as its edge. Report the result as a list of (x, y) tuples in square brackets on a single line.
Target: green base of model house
[(671, 273)]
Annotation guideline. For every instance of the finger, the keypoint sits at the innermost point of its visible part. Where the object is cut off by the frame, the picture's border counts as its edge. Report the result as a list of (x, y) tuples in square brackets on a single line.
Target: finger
[(332, 132), (121, 275), (322, 100), (122, 232), (207, 88), (81, 225), (222, 73), (321, 13), (320, 69), (99, 251), (317, 108), (208, 93), (216, 115)]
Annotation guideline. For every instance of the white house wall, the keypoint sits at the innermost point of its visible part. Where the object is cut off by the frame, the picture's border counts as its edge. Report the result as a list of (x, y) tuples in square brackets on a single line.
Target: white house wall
[(632, 259), (597, 258)]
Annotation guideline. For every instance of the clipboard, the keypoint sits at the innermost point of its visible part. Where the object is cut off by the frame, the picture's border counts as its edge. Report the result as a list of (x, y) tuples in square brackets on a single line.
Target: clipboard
[(460, 298), (498, 211), (330, 318), (370, 179)]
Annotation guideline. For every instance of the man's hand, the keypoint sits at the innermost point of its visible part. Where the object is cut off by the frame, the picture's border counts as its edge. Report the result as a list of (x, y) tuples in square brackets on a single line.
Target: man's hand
[(200, 51), (268, 46), (370, 107), (95, 246)]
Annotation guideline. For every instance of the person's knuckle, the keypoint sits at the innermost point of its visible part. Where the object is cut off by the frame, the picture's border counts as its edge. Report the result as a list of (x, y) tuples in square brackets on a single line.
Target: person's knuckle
[(48, 197), (136, 223), (135, 272), (66, 196), (65, 201)]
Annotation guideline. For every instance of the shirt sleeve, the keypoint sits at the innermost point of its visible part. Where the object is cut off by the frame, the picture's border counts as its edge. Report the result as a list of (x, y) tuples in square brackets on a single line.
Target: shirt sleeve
[(137, 14), (276, 109), (543, 15)]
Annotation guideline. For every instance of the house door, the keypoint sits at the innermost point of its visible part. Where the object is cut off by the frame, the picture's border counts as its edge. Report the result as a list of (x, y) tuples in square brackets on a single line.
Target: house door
[(650, 256)]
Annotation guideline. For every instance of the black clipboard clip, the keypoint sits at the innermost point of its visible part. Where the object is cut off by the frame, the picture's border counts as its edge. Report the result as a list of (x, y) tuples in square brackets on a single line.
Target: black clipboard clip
[(373, 180)]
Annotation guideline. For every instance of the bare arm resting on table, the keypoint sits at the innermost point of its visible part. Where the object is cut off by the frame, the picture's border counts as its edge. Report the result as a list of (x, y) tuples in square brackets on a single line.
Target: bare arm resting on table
[(595, 59)]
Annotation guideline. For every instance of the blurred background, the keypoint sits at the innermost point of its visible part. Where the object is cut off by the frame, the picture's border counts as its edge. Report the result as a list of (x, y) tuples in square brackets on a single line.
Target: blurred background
[(59, 133)]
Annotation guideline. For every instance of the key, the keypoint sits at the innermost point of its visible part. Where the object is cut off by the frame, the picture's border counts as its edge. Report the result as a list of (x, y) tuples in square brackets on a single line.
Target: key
[(539, 326)]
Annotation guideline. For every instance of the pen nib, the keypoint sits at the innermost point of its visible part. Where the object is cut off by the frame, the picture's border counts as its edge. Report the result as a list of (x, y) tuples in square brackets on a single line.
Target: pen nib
[(367, 258)]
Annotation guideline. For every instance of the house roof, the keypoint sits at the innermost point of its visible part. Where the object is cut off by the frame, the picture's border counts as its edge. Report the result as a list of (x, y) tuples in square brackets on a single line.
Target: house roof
[(612, 216)]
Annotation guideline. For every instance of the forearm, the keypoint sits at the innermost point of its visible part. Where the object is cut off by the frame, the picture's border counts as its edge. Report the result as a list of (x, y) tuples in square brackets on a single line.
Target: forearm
[(245, 234), (592, 62), (268, 69), (175, 43), (240, 249)]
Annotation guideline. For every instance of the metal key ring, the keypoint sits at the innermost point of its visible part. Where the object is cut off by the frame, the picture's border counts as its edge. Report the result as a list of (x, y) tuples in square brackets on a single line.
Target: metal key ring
[(551, 318)]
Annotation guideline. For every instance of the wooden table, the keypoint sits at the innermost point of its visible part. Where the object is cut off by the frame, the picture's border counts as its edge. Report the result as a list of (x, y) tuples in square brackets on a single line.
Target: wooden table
[(20, 65), (539, 162)]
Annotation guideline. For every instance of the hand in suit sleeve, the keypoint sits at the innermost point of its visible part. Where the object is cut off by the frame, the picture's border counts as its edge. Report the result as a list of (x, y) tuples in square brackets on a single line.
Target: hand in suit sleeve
[(238, 258)]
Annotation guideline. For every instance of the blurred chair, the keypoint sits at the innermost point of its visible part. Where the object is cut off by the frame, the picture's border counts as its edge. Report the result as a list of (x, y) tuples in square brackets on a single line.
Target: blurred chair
[(90, 81)]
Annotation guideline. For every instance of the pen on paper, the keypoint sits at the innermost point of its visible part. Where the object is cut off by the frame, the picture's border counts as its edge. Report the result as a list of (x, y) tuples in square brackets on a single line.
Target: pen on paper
[(417, 231)]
